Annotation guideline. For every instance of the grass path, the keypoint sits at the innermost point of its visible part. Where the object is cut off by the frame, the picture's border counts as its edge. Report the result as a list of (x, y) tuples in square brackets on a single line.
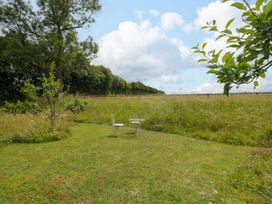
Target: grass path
[(92, 167)]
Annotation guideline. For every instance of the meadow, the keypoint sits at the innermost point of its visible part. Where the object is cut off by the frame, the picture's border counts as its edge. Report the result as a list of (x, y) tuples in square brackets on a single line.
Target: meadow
[(243, 119), (171, 161)]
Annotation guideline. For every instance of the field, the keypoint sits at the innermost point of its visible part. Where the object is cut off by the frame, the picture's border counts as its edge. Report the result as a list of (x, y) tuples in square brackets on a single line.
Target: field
[(238, 119), (167, 163)]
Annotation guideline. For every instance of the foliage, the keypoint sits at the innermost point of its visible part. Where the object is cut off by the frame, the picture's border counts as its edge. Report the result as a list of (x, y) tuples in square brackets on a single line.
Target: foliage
[(29, 91), (51, 92), (249, 53), (22, 107), (77, 106), (98, 80)]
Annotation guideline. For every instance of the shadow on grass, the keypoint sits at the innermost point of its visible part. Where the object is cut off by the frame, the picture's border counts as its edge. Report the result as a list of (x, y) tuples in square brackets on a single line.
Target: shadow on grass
[(126, 135), (113, 136)]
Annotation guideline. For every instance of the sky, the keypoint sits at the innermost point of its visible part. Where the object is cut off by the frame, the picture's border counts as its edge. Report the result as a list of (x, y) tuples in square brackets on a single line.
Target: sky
[(150, 41)]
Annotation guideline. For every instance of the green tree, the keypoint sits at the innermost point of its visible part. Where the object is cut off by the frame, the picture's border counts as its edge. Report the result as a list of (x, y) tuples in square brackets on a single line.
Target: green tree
[(250, 46), (51, 89), (61, 19), (31, 39)]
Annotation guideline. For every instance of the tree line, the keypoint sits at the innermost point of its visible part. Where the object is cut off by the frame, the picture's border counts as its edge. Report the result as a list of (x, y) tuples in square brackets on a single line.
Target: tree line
[(31, 38)]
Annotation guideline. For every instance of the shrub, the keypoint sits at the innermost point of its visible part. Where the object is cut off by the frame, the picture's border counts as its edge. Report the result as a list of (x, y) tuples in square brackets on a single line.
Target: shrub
[(22, 107), (77, 106), (40, 137)]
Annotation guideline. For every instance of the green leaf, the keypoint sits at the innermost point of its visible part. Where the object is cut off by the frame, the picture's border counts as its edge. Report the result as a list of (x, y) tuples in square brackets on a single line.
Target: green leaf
[(212, 66), (259, 3), (268, 8), (239, 6), (227, 56), (197, 51), (227, 32), (204, 27), (229, 23), (214, 28), (202, 60), (256, 83), (214, 22), (225, 1), (220, 36), (262, 74), (204, 45), (233, 45)]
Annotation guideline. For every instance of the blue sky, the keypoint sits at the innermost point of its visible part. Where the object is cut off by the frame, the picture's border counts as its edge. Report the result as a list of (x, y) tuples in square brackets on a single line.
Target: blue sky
[(150, 41)]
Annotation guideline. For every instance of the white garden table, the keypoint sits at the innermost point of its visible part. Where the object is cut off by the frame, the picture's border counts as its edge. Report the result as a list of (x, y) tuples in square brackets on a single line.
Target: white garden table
[(136, 122)]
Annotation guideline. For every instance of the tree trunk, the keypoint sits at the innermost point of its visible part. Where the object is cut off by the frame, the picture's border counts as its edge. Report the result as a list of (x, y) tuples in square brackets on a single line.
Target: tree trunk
[(52, 116)]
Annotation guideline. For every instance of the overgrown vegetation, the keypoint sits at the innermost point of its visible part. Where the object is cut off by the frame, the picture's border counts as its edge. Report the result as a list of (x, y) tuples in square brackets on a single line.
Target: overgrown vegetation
[(25, 127), (39, 137), (238, 119), (253, 178), (77, 106)]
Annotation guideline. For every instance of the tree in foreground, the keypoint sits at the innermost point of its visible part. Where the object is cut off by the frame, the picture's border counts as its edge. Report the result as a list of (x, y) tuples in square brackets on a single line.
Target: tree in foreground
[(51, 89), (249, 48)]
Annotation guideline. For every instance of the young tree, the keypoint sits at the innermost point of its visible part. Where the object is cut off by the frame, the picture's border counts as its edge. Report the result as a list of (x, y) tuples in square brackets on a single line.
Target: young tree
[(51, 91), (250, 53)]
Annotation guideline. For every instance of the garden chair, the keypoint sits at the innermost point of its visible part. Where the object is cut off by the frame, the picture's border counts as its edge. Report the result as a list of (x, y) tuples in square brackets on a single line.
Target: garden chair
[(115, 125)]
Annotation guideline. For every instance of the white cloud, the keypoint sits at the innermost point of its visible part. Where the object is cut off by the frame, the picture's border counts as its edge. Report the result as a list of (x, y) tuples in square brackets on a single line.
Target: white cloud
[(222, 13), (219, 11), (169, 78), (141, 13), (171, 19), (213, 87), (142, 52)]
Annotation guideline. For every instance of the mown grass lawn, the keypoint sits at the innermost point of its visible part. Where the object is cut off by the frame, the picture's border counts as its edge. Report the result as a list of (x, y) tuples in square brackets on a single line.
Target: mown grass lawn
[(93, 167)]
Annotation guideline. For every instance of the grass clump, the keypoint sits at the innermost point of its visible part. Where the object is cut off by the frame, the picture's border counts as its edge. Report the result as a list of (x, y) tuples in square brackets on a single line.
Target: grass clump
[(39, 137), (31, 127), (253, 179)]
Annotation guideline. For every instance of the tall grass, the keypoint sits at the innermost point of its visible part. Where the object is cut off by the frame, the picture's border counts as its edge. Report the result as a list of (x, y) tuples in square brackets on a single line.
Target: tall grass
[(238, 119), (23, 125)]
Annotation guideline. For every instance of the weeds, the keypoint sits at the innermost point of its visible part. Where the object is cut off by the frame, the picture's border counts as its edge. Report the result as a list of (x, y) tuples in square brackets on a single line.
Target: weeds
[(238, 119)]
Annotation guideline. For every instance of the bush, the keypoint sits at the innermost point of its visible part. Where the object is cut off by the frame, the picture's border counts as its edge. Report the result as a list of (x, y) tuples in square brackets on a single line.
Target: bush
[(22, 107), (77, 106), (40, 137)]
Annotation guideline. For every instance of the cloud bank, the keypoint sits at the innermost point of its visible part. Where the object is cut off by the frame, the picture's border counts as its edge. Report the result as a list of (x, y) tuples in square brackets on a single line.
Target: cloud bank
[(141, 51)]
